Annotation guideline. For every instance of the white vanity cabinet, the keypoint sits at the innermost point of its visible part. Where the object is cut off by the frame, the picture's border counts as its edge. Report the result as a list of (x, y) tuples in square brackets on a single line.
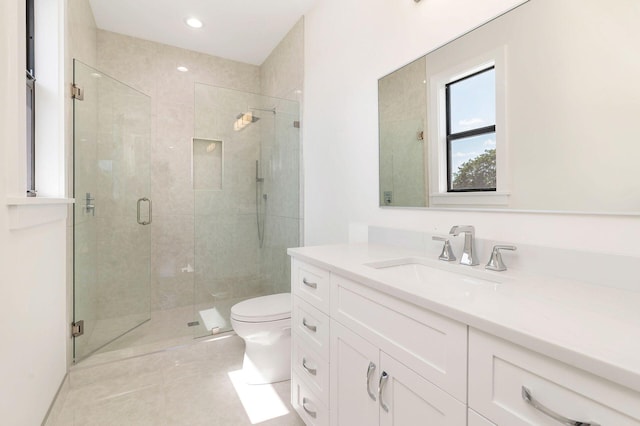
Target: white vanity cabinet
[(499, 373), (367, 351), (310, 328), (432, 345), (361, 357), (369, 387), (475, 419)]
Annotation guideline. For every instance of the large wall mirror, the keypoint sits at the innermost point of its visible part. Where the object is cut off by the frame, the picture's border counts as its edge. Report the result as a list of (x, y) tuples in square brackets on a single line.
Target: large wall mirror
[(567, 113)]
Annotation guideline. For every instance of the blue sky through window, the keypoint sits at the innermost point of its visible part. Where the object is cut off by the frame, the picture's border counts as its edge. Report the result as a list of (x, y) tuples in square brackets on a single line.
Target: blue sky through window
[(473, 102)]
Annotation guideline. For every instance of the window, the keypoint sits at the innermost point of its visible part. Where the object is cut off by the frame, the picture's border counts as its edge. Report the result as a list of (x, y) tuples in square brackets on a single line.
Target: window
[(31, 109), (471, 132), (468, 155)]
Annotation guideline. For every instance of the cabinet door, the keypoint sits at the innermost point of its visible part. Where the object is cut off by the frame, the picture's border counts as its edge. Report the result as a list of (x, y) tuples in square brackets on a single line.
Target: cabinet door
[(408, 399), (354, 379), (475, 419), (430, 344)]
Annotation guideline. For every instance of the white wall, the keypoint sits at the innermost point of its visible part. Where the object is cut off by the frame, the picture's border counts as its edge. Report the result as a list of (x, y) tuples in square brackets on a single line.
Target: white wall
[(32, 260), (349, 44)]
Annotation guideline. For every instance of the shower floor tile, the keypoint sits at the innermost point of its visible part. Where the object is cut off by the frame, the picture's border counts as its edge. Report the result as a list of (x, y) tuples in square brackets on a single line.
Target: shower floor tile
[(166, 329), (195, 384)]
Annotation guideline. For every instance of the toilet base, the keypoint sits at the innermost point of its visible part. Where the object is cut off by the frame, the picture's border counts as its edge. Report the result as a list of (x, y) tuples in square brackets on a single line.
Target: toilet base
[(267, 363)]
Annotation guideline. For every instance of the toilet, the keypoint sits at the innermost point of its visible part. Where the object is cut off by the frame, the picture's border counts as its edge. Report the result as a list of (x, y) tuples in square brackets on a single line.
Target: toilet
[(265, 325)]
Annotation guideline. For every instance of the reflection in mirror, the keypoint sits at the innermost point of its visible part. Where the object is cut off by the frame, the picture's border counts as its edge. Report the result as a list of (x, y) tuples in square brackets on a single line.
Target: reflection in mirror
[(571, 99), (403, 152)]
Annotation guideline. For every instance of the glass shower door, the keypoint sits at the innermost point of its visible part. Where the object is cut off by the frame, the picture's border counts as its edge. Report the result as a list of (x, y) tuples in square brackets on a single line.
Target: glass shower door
[(112, 213)]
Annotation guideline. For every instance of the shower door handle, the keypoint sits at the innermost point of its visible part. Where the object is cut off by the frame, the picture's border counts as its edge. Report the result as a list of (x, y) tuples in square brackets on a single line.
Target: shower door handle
[(140, 221)]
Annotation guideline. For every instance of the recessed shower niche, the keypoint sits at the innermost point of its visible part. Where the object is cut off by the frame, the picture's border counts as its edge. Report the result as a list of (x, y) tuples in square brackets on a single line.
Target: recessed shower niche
[(207, 164)]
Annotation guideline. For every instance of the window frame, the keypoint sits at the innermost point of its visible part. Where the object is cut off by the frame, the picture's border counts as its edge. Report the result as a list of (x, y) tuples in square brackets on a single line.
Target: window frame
[(30, 112), (437, 79), (464, 134)]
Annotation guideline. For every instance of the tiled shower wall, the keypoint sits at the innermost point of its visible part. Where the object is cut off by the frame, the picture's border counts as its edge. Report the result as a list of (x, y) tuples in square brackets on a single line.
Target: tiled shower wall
[(226, 246), (151, 68), (402, 105)]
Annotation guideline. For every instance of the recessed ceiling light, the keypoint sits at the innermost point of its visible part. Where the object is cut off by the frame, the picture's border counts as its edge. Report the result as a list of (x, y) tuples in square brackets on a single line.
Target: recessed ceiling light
[(182, 69), (194, 22)]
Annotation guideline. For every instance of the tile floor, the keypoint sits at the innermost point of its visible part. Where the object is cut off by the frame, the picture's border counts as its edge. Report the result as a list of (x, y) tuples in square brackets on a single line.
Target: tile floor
[(194, 384), (165, 328)]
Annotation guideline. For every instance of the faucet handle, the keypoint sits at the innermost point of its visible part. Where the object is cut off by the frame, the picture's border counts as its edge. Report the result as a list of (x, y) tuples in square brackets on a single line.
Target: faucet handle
[(447, 253), (495, 261)]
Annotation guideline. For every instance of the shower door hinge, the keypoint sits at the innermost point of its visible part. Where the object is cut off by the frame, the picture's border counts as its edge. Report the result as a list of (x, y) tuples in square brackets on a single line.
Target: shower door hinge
[(77, 92), (77, 328)]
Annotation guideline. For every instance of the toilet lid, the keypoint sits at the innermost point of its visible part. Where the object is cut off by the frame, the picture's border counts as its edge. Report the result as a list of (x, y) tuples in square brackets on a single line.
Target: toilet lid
[(261, 309)]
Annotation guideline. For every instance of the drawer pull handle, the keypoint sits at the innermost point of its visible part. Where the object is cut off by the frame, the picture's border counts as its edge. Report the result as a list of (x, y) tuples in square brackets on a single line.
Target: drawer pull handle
[(311, 371), (529, 399), (309, 326), (370, 370), (304, 407), (383, 381), (309, 283)]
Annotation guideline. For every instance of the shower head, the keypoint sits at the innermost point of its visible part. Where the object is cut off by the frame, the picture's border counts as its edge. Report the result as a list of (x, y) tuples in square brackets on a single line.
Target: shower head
[(247, 117), (244, 119)]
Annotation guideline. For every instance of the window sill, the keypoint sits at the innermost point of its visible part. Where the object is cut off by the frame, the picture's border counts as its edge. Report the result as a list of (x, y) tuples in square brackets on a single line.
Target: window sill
[(26, 212), (470, 199)]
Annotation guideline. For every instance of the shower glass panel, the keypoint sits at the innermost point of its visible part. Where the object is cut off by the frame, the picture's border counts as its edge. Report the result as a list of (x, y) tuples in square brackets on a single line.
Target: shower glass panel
[(112, 216), (243, 228)]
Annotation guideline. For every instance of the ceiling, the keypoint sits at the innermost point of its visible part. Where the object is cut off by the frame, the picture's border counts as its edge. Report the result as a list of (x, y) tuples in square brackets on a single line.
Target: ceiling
[(241, 30)]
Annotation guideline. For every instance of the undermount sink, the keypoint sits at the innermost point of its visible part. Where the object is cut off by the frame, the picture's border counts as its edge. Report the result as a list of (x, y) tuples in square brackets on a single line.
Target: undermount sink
[(434, 271)]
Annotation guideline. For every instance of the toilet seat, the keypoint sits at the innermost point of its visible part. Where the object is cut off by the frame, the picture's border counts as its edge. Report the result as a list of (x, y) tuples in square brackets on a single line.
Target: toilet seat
[(263, 309)]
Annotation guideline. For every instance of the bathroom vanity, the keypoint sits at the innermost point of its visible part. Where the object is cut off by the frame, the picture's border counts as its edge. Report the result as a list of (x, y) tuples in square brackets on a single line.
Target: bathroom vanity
[(384, 335)]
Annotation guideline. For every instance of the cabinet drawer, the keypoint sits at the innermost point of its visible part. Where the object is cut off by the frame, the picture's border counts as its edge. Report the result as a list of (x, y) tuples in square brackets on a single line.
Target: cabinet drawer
[(309, 366), (311, 326), (309, 406), (499, 370), (431, 345), (311, 284)]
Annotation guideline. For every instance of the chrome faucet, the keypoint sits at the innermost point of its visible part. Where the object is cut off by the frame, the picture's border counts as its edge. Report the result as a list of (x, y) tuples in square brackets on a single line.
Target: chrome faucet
[(468, 253)]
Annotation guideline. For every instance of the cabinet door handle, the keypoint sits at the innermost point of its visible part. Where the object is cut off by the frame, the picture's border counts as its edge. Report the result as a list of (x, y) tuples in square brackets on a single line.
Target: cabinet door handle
[(370, 370), (309, 326), (529, 399), (309, 283), (383, 381), (304, 407), (311, 371)]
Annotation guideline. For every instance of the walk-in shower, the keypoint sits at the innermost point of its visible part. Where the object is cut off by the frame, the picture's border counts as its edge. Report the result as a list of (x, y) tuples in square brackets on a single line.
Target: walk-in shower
[(171, 274), (242, 230)]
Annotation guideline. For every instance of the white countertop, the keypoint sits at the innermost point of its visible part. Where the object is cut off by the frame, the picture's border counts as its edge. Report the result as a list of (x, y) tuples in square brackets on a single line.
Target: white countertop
[(591, 327)]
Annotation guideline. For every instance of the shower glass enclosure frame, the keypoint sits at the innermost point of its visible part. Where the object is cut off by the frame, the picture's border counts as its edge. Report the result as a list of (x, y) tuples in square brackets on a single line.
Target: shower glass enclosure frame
[(143, 280), (112, 213)]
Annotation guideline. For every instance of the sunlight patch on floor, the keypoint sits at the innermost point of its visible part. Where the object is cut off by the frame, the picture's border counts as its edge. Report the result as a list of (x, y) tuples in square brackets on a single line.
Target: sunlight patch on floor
[(261, 402)]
